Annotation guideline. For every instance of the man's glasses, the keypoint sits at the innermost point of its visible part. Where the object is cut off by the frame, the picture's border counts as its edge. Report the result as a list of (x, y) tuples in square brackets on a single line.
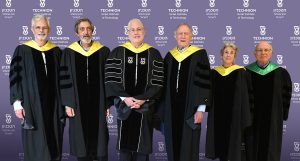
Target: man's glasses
[(132, 30), (40, 28), (263, 50)]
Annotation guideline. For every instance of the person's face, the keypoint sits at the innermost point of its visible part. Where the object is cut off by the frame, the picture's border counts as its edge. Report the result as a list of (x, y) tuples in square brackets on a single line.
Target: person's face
[(136, 32), (40, 29), (183, 36), (263, 53), (85, 31), (228, 56)]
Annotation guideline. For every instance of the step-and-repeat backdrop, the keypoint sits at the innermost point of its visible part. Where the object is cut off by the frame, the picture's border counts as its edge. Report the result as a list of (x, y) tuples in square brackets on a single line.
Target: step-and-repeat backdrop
[(243, 22)]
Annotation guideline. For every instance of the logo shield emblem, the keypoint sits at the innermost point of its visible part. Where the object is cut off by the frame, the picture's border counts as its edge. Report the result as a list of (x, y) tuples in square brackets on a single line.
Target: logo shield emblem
[(8, 3), (144, 3), (76, 3), (110, 3), (161, 30), (296, 87), (262, 30), (246, 59), (212, 3), (178, 3), (8, 59), (211, 59), (296, 30), (59, 30), (246, 3), (228, 30), (25, 30), (42, 3), (195, 30)]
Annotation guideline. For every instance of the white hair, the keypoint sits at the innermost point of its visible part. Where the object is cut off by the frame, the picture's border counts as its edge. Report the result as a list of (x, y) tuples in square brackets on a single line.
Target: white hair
[(135, 19), (39, 17)]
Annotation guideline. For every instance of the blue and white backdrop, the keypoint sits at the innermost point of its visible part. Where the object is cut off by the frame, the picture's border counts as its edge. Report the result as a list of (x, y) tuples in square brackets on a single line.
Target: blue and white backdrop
[(244, 22)]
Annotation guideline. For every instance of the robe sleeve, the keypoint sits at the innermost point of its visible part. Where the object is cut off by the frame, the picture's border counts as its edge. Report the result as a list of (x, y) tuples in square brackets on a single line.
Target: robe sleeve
[(114, 74), (245, 104), (286, 93), (66, 83), (209, 106), (202, 79), (16, 75)]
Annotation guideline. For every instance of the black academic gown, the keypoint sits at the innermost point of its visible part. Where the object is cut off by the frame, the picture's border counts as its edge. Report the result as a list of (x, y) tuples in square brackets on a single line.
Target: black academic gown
[(272, 94), (42, 129), (182, 142), (229, 114), (82, 88), (137, 74)]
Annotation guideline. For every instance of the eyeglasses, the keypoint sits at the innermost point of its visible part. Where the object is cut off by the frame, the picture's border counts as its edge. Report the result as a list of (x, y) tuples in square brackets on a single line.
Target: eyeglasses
[(132, 30), (40, 28), (89, 29), (263, 50)]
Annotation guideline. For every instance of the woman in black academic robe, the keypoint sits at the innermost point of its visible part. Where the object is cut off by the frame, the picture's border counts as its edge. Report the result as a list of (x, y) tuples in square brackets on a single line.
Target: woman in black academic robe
[(229, 114)]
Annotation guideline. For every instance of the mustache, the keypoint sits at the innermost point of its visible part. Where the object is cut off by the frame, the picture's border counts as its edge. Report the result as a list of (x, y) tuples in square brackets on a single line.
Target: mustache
[(86, 36)]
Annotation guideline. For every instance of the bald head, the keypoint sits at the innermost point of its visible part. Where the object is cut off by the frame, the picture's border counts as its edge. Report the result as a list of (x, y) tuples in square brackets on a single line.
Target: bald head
[(135, 21), (263, 52), (136, 32)]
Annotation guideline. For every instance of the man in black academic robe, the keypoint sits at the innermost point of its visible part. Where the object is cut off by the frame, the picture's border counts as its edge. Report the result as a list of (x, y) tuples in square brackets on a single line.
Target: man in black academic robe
[(272, 93), (83, 94), (229, 114), (134, 79), (187, 90), (35, 95)]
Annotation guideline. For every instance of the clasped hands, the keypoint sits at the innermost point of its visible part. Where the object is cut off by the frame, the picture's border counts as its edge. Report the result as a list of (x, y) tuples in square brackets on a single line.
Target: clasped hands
[(133, 103)]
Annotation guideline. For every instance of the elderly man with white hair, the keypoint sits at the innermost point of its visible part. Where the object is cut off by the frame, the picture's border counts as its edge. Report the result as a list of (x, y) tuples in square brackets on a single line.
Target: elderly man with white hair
[(34, 94), (272, 89)]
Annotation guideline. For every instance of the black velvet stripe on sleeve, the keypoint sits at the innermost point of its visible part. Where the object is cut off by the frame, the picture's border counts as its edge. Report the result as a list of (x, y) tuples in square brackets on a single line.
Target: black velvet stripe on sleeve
[(65, 86), (64, 77), (63, 68), (202, 84), (158, 64), (157, 82), (15, 71), (202, 66), (202, 75), (113, 79), (113, 70), (157, 73), (17, 79), (15, 60), (113, 61)]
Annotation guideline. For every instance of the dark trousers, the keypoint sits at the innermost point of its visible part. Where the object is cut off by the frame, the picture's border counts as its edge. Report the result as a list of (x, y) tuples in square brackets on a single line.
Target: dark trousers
[(133, 156), (92, 159)]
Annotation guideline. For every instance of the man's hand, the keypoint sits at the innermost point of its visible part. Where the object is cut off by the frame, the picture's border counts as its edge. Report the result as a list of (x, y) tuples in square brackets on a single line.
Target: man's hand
[(70, 111), (198, 117), (20, 113), (107, 112), (129, 101), (138, 103)]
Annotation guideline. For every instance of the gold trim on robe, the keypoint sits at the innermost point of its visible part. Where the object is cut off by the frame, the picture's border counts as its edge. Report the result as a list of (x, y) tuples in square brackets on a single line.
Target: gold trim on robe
[(181, 56), (226, 71), (130, 47), (76, 47), (48, 46)]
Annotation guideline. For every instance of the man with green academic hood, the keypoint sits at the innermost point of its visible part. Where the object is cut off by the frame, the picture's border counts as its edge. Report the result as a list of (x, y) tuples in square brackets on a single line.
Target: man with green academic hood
[(35, 96), (272, 94)]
